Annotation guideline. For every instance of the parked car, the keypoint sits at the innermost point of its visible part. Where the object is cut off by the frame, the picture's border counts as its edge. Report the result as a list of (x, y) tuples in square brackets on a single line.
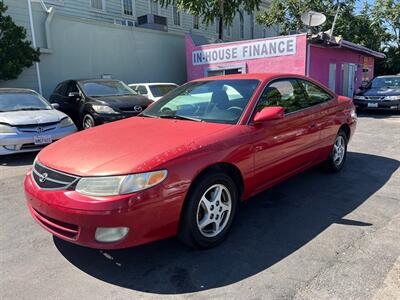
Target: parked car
[(97, 101), (153, 91), (383, 92), (184, 171), (28, 122)]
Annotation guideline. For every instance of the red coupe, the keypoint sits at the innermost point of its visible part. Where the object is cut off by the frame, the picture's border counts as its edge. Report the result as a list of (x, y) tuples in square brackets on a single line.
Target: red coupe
[(183, 165)]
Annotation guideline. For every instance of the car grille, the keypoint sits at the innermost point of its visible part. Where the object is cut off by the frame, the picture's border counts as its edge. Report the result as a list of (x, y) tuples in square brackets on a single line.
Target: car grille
[(38, 128), (67, 230), (50, 179), (131, 110), (375, 98)]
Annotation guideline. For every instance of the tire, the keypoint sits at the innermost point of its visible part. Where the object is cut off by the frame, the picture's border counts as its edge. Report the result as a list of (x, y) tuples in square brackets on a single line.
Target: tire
[(88, 122), (337, 158), (197, 212)]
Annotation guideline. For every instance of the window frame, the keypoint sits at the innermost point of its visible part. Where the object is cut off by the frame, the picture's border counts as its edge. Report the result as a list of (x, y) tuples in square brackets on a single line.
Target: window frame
[(158, 7), (179, 15), (133, 15), (196, 17), (253, 112), (101, 10)]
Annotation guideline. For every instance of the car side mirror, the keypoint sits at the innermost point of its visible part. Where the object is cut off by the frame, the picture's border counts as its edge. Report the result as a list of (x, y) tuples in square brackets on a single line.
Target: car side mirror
[(74, 95), (269, 113), (55, 105)]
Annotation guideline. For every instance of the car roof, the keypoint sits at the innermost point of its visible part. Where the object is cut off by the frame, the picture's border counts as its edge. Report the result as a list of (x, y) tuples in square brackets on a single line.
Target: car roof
[(256, 76), (385, 76), (16, 90), (154, 83)]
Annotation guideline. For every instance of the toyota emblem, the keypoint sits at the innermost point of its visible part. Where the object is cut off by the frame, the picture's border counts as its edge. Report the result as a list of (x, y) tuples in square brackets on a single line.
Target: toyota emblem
[(43, 177), (137, 108)]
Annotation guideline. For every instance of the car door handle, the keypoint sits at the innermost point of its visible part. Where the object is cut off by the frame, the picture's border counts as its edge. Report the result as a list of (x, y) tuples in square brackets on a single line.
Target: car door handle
[(312, 126)]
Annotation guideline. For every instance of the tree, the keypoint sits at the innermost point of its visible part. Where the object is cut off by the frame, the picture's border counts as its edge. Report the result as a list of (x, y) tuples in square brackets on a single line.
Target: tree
[(287, 13), (223, 10), (16, 52)]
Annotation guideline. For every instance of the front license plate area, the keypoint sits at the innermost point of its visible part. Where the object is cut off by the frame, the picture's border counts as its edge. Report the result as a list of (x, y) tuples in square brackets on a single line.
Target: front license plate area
[(42, 139), (373, 105)]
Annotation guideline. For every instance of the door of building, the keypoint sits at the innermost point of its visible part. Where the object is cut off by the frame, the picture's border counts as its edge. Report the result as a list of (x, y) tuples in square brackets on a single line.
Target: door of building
[(349, 72)]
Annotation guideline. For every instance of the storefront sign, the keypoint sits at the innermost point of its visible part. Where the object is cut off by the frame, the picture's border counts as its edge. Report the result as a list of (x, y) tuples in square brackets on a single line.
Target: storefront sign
[(259, 49)]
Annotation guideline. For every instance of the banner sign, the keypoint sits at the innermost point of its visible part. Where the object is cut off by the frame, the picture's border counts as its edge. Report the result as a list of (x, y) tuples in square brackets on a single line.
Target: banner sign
[(253, 50)]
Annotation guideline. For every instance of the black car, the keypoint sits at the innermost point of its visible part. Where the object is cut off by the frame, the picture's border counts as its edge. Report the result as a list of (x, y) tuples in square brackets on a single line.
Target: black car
[(382, 92), (97, 101)]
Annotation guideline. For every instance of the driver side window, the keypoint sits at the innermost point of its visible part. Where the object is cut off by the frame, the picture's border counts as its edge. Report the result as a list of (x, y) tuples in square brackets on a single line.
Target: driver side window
[(284, 92)]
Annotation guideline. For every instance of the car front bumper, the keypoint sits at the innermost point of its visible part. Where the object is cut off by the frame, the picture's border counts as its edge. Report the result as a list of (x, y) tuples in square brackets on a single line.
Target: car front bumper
[(371, 104), (19, 142), (107, 118), (150, 215)]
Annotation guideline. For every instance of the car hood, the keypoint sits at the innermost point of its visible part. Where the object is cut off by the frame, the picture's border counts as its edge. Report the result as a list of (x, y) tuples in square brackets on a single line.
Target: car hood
[(33, 117), (381, 92), (124, 101), (132, 145)]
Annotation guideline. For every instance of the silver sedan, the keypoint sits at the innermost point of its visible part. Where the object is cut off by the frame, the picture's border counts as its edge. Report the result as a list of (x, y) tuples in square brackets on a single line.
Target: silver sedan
[(28, 122)]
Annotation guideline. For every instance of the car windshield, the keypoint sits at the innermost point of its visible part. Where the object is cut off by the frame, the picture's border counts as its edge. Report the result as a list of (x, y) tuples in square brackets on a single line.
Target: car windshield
[(106, 88), (382, 82), (15, 101), (215, 101), (161, 89)]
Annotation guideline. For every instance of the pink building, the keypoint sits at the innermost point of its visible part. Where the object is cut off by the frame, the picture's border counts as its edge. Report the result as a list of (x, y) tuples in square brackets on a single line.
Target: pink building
[(340, 65)]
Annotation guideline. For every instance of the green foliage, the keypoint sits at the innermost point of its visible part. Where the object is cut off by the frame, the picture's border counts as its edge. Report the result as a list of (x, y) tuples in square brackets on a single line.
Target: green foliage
[(376, 27), (225, 10), (16, 52)]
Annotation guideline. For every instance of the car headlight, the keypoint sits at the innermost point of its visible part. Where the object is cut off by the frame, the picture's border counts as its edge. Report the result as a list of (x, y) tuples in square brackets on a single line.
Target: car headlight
[(66, 122), (6, 129), (359, 97), (392, 97), (119, 185), (103, 109)]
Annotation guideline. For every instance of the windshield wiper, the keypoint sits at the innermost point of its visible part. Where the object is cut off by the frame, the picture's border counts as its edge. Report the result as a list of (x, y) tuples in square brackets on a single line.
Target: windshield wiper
[(179, 117), (31, 108), (147, 116)]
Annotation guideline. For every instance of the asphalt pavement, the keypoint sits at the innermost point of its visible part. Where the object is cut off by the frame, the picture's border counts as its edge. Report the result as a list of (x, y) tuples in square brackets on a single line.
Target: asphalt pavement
[(314, 236)]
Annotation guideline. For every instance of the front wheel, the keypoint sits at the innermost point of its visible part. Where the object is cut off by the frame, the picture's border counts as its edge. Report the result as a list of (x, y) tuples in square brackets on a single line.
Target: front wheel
[(209, 211), (88, 122), (337, 158)]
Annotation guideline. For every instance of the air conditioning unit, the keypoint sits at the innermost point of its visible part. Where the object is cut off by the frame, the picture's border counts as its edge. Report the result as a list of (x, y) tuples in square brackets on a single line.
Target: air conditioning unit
[(151, 21), (128, 23)]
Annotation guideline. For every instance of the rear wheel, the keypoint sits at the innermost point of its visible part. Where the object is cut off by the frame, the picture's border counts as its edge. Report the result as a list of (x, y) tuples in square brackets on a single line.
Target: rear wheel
[(337, 158), (209, 211), (88, 122)]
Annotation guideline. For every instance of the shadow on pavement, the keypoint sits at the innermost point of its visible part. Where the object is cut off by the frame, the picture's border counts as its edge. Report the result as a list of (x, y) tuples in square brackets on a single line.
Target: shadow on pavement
[(378, 114), (268, 228), (20, 159)]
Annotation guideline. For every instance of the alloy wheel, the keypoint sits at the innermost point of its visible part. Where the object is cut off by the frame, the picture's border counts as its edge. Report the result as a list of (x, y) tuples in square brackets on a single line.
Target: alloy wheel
[(214, 210), (339, 150)]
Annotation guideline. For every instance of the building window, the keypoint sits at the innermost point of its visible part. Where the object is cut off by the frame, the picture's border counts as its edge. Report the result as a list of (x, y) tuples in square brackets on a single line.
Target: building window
[(127, 7), (196, 22), (177, 15), (241, 24), (252, 26), (264, 32), (153, 7), (98, 4)]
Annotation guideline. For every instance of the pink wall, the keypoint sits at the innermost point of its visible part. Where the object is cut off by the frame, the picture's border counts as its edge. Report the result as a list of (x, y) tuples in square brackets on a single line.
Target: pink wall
[(322, 57), (284, 64)]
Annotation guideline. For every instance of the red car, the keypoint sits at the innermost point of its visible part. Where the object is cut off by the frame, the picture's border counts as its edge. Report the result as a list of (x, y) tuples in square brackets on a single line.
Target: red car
[(183, 165)]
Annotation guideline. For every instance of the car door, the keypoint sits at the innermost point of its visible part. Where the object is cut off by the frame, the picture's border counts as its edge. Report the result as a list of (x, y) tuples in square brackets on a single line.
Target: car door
[(61, 96), (284, 146), (325, 109)]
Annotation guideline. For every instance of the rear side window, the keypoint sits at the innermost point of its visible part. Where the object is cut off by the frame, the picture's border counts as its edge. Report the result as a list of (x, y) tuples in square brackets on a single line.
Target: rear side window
[(286, 93), (61, 89), (314, 93), (142, 90)]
